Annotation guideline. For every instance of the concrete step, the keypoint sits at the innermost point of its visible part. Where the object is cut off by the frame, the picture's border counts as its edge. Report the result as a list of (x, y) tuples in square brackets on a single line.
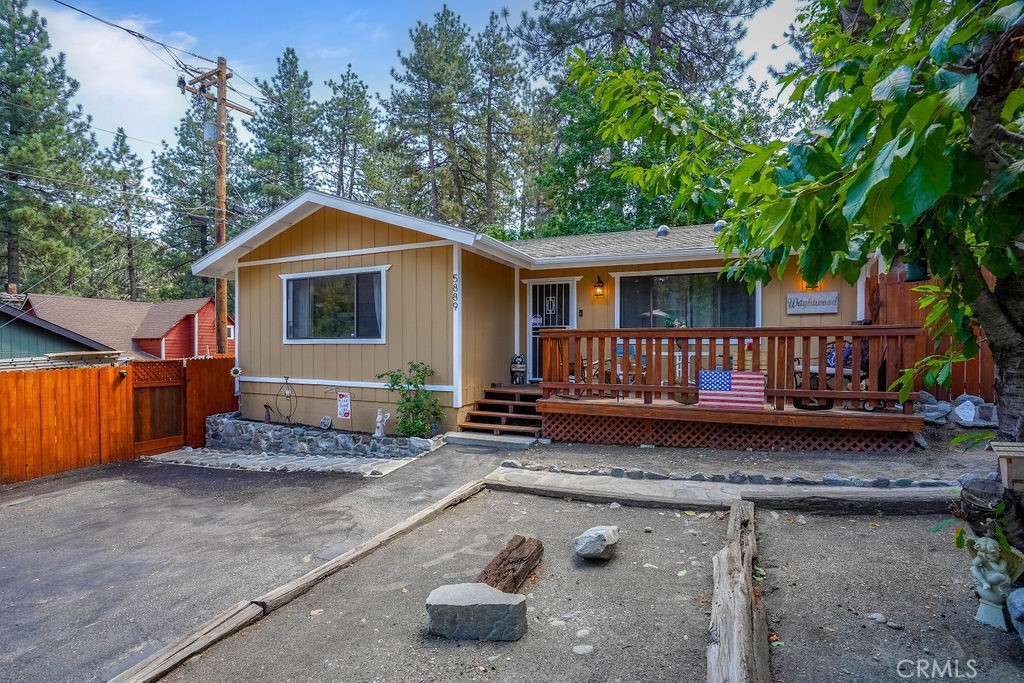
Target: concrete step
[(505, 441)]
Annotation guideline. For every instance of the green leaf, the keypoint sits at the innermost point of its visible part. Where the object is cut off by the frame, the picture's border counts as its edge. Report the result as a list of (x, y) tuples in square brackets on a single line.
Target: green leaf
[(944, 524), (959, 538), (894, 86), (869, 177), (961, 94), (940, 46), (1003, 18)]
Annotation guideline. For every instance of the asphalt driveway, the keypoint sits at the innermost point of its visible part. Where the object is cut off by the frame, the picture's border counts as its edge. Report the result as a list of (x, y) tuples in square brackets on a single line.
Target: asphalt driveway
[(100, 567)]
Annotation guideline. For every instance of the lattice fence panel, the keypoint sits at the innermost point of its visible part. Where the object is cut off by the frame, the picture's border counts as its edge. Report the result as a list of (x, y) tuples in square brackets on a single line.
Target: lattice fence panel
[(624, 431), (157, 371)]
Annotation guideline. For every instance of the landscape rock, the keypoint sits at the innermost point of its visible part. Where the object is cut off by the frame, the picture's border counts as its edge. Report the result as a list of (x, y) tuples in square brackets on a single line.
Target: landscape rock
[(511, 463), (968, 476), (902, 482), (926, 398), (1015, 605), (987, 416), (935, 413), (635, 473), (718, 477), (696, 476), (737, 478), (833, 479), (597, 543), (880, 482), (932, 483), (797, 479), (676, 476), (655, 475), (968, 398), (965, 413), (758, 479), (618, 472), (583, 649), (876, 617), (920, 440), (475, 611), (553, 468)]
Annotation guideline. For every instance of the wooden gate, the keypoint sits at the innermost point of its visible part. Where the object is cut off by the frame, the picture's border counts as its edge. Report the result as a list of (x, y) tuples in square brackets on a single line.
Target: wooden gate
[(159, 405)]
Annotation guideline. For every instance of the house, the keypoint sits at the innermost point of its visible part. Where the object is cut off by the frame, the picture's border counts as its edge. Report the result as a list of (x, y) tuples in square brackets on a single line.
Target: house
[(30, 342), (331, 292), (140, 330)]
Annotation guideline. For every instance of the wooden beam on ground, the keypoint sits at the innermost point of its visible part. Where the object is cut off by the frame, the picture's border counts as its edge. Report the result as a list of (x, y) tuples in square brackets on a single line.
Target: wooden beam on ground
[(512, 566), (291, 590), (157, 665), (738, 634)]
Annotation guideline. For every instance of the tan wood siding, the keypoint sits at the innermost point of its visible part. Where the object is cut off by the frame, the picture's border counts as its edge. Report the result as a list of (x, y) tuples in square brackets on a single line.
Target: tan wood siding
[(488, 328), (419, 319)]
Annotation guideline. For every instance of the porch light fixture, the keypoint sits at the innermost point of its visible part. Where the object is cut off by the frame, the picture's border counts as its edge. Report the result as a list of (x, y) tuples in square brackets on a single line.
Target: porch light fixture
[(599, 288), (808, 287)]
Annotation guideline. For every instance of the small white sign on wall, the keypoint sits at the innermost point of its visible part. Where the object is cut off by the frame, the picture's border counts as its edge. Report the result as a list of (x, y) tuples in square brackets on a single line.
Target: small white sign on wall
[(345, 405), (801, 303)]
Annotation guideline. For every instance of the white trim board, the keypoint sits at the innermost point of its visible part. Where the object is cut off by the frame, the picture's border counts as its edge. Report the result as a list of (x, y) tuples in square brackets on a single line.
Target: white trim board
[(457, 305), (347, 252), (335, 383), (550, 280)]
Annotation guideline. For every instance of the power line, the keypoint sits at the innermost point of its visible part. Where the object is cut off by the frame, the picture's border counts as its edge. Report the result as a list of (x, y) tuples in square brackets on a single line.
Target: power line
[(137, 34), (88, 124)]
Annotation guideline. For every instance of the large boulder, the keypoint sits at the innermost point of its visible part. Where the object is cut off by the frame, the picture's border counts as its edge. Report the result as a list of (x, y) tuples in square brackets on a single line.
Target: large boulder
[(935, 413), (968, 398), (597, 543), (475, 611), (964, 414)]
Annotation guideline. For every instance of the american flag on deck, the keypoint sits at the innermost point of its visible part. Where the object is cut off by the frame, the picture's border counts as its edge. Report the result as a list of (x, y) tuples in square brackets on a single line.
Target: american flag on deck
[(742, 389)]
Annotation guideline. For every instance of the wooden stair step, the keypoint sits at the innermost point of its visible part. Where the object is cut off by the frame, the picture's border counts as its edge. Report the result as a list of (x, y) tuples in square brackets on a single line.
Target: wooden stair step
[(508, 402), (489, 413), (498, 428)]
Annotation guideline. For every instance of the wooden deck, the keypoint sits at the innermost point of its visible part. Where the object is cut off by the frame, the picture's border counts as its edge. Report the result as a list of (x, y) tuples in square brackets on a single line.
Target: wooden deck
[(666, 409)]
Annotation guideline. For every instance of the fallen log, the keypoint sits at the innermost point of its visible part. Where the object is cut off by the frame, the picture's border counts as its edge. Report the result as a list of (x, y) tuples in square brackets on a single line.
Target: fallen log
[(512, 566), (737, 649)]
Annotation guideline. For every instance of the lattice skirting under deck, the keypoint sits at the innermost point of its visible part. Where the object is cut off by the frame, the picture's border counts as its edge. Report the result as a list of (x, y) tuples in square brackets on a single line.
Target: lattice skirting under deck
[(631, 431)]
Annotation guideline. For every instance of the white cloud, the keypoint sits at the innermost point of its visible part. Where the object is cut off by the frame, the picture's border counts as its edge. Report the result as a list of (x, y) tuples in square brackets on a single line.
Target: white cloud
[(121, 82)]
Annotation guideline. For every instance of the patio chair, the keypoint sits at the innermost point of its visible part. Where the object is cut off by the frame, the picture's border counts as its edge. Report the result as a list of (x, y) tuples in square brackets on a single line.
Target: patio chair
[(845, 368)]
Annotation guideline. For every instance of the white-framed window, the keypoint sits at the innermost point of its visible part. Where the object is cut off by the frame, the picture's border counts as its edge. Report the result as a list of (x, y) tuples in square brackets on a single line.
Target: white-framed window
[(231, 332), (335, 306), (690, 299)]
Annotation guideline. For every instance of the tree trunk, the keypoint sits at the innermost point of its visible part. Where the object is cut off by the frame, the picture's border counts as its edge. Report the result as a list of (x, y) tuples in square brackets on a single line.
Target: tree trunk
[(435, 195), (133, 276), (340, 186), (352, 168), (13, 257)]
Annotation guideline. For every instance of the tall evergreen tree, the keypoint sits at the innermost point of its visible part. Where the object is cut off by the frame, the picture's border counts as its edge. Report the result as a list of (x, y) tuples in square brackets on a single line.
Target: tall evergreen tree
[(44, 145), (539, 140), (184, 178), (345, 136), (433, 102), (496, 60), (698, 42), (282, 132), (129, 212)]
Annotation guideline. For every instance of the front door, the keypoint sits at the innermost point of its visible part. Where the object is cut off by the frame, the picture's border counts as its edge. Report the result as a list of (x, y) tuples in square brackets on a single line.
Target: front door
[(550, 306)]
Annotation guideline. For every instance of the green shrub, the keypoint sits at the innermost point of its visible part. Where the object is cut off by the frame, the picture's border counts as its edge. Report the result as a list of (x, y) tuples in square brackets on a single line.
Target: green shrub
[(418, 408)]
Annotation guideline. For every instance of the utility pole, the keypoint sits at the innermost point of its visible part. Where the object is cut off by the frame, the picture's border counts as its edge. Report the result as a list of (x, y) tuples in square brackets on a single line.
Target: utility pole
[(201, 85)]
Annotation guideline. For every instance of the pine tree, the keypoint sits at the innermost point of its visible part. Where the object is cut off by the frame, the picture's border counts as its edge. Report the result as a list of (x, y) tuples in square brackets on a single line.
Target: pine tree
[(432, 102), (345, 137), (496, 60), (184, 178), (129, 211), (45, 199), (283, 131), (696, 41)]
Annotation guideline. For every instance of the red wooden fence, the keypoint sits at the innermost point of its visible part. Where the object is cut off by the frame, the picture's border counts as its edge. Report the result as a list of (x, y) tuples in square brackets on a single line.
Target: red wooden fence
[(58, 420), (899, 306)]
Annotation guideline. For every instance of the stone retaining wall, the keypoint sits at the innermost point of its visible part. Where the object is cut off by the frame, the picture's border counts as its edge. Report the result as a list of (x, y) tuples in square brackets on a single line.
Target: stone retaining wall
[(229, 430)]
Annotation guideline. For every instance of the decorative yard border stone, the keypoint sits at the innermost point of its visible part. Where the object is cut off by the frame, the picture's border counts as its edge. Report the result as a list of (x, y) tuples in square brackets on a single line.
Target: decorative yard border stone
[(230, 430), (475, 611), (831, 479)]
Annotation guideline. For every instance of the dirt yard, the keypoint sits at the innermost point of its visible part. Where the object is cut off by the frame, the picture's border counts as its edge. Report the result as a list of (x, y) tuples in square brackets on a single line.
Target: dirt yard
[(827, 574), (644, 621)]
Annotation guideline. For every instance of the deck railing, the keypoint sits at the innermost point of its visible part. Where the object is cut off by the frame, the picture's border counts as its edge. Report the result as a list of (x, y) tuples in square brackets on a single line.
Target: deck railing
[(663, 363)]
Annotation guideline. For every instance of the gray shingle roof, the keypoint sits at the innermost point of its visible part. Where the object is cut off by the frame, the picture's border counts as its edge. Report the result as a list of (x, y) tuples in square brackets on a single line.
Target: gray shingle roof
[(163, 315), (615, 243)]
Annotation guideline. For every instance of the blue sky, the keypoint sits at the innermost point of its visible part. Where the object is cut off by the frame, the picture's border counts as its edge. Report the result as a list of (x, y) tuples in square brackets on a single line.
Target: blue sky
[(123, 84)]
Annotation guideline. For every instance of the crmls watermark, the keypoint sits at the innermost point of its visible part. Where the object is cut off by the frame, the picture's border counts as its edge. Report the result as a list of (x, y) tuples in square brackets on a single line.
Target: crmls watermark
[(937, 669)]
